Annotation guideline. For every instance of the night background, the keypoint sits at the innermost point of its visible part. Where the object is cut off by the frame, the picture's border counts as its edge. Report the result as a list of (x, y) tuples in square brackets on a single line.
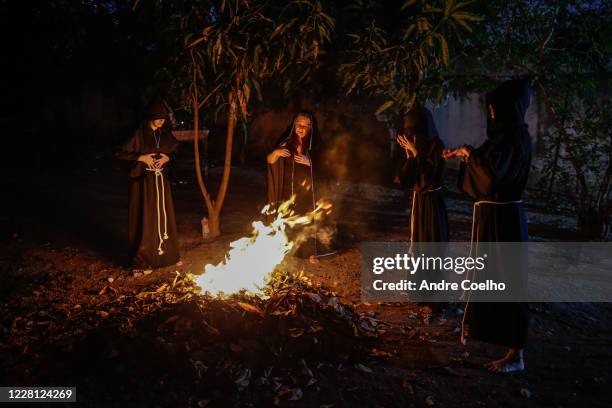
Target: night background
[(77, 77)]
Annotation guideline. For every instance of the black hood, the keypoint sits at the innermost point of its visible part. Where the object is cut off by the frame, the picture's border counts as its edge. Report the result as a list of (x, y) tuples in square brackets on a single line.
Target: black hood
[(424, 126), (156, 110), (424, 123), (510, 101), (288, 136)]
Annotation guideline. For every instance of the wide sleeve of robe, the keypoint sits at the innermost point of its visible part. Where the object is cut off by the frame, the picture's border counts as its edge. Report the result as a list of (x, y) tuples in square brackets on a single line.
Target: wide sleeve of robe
[(476, 175), (425, 171), (276, 174), (130, 151), (497, 170)]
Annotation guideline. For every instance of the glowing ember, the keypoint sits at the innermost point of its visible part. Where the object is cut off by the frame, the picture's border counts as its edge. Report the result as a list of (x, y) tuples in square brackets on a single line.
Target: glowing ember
[(251, 260)]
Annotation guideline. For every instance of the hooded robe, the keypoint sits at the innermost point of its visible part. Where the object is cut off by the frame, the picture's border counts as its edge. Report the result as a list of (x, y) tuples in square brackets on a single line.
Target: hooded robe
[(495, 174), (287, 177), (153, 237), (423, 175)]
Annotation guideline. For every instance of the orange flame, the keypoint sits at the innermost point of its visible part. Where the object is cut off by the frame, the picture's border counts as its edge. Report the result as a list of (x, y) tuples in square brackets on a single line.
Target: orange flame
[(249, 264)]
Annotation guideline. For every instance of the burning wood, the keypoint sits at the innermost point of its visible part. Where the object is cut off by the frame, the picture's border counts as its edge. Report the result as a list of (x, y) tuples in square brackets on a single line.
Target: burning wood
[(251, 260)]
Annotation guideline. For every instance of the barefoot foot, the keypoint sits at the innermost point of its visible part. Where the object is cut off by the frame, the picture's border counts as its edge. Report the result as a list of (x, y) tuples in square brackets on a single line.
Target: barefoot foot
[(511, 362)]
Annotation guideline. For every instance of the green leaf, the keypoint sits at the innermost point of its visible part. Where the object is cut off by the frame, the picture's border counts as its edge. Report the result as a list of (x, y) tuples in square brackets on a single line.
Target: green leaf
[(383, 107), (462, 4), (195, 42), (448, 6), (466, 16), (444, 48), (408, 4), (409, 31), (257, 89), (280, 28), (465, 25)]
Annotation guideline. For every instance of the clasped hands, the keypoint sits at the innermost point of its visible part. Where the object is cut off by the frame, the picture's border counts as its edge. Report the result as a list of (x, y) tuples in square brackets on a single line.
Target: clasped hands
[(154, 160)]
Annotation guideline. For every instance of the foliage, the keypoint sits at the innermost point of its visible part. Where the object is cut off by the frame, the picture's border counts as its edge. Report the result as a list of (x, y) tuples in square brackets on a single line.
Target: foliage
[(587, 123), (230, 48), (564, 46), (403, 64)]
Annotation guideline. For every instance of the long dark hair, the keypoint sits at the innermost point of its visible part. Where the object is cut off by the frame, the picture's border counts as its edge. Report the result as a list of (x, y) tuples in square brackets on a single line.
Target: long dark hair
[(291, 141)]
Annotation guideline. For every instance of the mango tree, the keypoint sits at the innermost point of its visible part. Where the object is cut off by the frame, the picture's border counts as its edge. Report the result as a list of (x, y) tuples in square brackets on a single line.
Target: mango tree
[(231, 48), (402, 65)]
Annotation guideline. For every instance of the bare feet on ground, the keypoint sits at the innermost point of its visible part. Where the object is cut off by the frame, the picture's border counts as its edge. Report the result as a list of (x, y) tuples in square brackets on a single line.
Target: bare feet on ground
[(511, 362), (136, 272)]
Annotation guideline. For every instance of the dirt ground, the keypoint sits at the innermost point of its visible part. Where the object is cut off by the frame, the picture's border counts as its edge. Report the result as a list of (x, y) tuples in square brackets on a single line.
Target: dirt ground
[(66, 293)]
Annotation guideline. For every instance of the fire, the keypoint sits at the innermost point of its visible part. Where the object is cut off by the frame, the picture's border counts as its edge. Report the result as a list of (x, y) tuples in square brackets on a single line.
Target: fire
[(249, 264)]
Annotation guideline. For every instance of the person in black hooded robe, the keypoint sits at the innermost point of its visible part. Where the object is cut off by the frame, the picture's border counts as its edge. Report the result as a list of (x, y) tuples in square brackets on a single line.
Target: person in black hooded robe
[(291, 172), (495, 174), (423, 172), (153, 237)]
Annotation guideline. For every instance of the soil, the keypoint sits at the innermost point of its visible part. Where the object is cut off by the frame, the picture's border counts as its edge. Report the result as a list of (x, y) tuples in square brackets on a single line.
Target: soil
[(66, 290)]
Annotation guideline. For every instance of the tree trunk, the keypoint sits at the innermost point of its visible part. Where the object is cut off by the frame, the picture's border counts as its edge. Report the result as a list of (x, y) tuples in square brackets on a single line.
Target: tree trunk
[(196, 148), (227, 164), (213, 214), (214, 223), (243, 144), (215, 206), (205, 155)]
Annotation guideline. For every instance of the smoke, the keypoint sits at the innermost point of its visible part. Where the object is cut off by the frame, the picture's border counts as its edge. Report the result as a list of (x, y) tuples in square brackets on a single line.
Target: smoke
[(325, 235)]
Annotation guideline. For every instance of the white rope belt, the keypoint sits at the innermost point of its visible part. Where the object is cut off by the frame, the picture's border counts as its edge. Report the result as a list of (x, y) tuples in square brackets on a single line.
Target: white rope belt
[(160, 202), (431, 190), (476, 204)]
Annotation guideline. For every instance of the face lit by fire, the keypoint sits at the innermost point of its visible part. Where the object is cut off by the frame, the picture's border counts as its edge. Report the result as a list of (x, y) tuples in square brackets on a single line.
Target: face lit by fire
[(302, 126), (157, 123)]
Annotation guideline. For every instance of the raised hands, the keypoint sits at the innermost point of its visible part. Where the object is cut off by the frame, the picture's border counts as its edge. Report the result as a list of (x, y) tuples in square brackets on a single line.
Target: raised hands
[(407, 145), (282, 152), (302, 159), (278, 153)]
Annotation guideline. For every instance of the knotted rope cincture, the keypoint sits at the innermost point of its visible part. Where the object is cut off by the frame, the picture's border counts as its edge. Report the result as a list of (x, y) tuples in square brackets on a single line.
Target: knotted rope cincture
[(159, 179), (467, 301)]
